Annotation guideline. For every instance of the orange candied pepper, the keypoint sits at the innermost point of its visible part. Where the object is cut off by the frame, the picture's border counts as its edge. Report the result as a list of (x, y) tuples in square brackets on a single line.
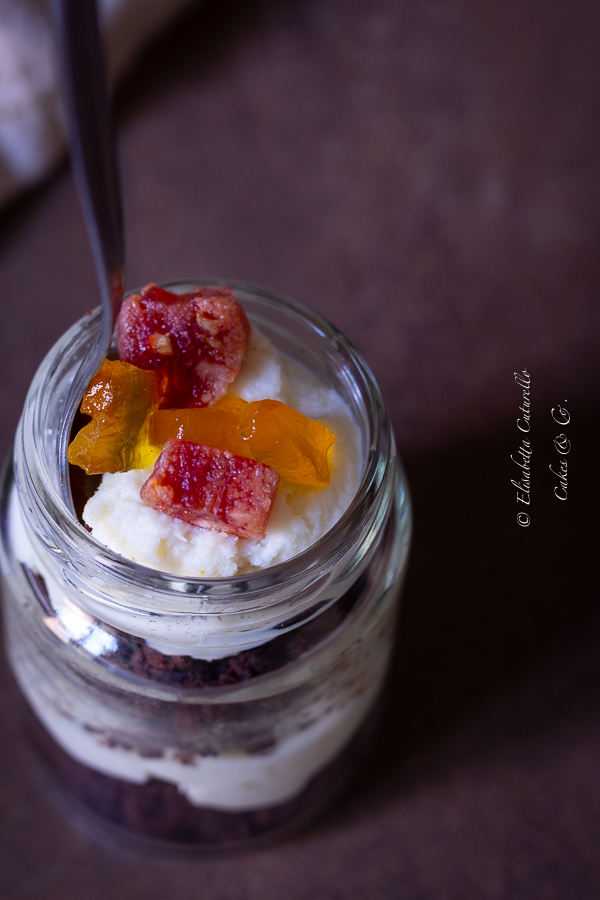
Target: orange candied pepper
[(213, 426), (265, 430), (119, 398), (289, 442)]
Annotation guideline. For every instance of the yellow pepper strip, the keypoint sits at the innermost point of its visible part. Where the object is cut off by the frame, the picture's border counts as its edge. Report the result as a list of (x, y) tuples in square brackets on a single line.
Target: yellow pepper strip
[(265, 430), (291, 443), (214, 426), (120, 399)]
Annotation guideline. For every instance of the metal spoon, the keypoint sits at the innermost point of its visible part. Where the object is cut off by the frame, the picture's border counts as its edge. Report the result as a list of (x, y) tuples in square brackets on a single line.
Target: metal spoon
[(94, 163)]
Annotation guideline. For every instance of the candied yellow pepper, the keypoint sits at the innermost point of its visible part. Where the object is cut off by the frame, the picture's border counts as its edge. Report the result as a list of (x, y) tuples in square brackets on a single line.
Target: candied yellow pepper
[(120, 399), (213, 426), (265, 430), (291, 443)]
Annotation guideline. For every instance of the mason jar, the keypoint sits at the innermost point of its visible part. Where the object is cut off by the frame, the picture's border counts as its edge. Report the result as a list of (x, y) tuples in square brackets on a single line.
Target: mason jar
[(253, 734)]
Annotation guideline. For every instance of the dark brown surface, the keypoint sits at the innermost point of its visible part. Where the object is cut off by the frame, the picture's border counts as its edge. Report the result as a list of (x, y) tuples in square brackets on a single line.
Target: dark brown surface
[(134, 655), (425, 174)]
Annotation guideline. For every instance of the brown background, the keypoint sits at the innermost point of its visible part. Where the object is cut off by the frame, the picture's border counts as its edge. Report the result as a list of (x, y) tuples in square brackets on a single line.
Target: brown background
[(424, 173)]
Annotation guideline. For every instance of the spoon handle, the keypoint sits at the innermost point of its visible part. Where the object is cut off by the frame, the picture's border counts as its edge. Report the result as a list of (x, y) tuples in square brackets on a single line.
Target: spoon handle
[(91, 140), (94, 164)]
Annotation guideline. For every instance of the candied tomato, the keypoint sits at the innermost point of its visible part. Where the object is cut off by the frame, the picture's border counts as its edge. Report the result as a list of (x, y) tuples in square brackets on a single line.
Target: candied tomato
[(212, 488), (197, 340), (119, 398), (265, 430)]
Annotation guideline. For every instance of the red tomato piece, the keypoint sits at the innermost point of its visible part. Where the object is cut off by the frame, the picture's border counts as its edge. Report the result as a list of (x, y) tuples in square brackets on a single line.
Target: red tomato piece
[(197, 340), (212, 488)]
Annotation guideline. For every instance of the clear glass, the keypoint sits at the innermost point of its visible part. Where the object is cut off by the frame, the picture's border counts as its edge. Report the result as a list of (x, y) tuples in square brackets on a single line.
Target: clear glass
[(256, 735)]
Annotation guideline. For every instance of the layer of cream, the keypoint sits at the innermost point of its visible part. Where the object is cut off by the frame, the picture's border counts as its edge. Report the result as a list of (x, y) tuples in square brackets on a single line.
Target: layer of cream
[(123, 522), (233, 782)]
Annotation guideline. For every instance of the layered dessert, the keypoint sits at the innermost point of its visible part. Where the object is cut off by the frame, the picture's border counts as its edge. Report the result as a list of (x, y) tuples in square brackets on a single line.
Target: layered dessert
[(208, 676)]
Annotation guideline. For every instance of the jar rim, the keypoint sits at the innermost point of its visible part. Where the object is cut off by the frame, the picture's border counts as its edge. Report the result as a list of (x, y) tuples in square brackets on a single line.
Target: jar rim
[(66, 535)]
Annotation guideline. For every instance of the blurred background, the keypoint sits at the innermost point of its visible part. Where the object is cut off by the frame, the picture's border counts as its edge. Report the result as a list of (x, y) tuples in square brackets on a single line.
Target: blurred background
[(426, 175)]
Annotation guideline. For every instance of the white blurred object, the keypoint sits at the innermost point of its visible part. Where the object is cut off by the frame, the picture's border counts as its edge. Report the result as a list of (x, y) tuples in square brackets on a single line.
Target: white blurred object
[(31, 135)]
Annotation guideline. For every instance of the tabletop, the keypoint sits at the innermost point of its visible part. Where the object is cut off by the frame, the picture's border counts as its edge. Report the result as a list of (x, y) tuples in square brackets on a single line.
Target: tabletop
[(426, 176)]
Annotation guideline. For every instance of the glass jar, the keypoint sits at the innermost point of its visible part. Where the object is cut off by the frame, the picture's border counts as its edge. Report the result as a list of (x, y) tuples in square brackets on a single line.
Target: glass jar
[(253, 733)]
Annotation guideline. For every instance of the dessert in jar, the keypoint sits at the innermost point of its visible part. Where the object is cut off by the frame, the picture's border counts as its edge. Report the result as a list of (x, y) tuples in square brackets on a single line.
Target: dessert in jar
[(206, 671)]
